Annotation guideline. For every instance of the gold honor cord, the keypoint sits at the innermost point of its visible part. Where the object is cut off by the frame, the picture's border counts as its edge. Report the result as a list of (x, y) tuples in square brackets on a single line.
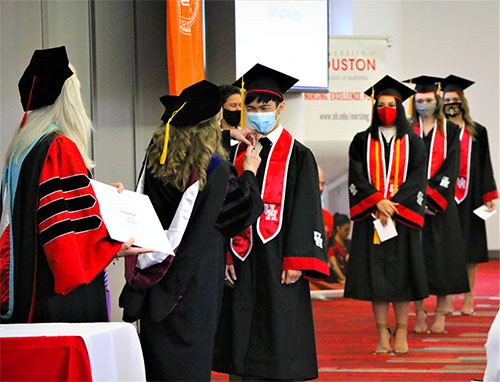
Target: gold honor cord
[(167, 134), (396, 172), (242, 117), (376, 238)]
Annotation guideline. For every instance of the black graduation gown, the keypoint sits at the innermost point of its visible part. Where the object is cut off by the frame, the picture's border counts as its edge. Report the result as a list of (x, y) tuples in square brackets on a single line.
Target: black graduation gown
[(442, 239), (266, 328), (179, 314), (32, 274), (394, 269), (481, 188)]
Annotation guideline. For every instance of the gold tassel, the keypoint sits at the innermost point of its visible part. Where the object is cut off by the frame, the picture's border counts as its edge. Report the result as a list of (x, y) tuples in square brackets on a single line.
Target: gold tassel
[(410, 103), (242, 118), (167, 135), (439, 89), (373, 100)]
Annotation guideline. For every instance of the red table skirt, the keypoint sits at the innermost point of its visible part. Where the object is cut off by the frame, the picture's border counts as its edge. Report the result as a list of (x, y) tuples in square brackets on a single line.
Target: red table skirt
[(60, 358)]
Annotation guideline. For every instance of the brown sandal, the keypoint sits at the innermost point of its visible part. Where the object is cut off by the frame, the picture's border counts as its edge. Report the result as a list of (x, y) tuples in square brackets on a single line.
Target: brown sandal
[(434, 331), (383, 350), (400, 350), (420, 330)]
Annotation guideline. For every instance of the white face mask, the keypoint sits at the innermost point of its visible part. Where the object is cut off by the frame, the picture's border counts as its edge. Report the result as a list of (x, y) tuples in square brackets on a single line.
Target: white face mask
[(425, 109)]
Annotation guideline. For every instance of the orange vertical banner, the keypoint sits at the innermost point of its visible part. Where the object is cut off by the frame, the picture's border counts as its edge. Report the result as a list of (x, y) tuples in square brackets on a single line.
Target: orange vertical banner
[(184, 44)]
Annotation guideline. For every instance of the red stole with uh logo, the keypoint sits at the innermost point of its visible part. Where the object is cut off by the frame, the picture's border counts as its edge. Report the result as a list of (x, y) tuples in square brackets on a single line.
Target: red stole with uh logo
[(438, 147), (462, 186), (273, 194)]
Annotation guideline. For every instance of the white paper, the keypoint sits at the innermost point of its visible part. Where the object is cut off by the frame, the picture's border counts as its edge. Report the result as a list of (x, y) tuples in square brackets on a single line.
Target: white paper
[(483, 214), (387, 232), (130, 214)]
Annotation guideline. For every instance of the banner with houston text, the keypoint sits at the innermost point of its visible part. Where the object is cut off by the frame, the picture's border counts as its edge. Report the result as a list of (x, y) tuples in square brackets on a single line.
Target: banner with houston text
[(184, 44), (354, 65)]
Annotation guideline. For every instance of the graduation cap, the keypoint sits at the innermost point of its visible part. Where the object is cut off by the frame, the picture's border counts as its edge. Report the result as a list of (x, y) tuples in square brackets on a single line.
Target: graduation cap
[(202, 102), (43, 79), (388, 86), (456, 84), (195, 104), (260, 78), (426, 84)]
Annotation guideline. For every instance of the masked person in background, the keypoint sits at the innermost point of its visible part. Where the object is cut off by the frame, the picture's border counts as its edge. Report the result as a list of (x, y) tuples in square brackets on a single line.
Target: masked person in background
[(266, 328), (54, 245), (387, 182), (442, 239), (475, 184), (231, 115), (231, 106)]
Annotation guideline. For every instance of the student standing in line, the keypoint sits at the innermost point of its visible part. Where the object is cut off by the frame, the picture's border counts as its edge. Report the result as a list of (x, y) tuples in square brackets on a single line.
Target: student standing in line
[(387, 182), (475, 183), (442, 238)]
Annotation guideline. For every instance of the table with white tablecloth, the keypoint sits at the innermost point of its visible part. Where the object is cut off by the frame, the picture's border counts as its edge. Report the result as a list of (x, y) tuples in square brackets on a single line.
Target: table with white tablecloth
[(113, 349)]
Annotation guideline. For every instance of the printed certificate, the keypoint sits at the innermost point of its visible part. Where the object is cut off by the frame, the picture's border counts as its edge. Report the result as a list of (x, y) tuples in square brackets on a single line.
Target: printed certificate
[(130, 214)]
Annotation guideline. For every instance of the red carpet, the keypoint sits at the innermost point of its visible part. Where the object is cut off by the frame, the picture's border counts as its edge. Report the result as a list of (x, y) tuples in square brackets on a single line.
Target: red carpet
[(346, 338)]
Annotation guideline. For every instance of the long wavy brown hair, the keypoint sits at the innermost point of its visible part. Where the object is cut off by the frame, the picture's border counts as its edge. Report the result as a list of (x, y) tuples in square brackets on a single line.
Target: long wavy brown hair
[(190, 148), (438, 114)]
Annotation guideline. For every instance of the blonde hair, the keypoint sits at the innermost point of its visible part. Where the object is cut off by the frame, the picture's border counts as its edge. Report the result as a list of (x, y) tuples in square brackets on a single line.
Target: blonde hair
[(438, 113), (469, 122), (67, 113), (190, 148)]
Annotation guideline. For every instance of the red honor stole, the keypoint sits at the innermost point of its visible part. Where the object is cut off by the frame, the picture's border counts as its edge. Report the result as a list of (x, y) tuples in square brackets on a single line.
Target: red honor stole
[(273, 194), (462, 186), (387, 183), (438, 147)]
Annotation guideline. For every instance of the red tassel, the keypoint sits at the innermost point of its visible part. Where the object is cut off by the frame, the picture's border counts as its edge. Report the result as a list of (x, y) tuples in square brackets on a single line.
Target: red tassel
[(28, 106)]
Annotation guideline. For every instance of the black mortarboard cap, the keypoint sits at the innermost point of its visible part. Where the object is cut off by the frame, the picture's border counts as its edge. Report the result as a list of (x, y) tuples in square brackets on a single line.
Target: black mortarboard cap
[(267, 80), (392, 87), (202, 102), (425, 84), (455, 84), (51, 68)]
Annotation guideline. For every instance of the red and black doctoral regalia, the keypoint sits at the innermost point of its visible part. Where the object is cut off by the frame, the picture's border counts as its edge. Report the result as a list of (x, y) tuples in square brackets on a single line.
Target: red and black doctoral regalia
[(392, 270), (442, 237), (475, 186), (179, 314), (266, 328), (53, 271)]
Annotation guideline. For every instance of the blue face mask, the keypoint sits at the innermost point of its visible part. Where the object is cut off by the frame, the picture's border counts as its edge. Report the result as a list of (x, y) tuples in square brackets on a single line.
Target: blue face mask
[(262, 122)]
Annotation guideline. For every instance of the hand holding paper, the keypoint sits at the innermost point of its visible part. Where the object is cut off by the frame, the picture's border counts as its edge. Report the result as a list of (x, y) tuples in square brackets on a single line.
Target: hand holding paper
[(385, 232), (484, 213), (129, 214), (128, 249)]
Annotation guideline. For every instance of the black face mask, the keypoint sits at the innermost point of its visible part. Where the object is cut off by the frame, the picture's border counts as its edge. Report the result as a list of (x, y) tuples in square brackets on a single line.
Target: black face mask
[(453, 109), (232, 117)]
